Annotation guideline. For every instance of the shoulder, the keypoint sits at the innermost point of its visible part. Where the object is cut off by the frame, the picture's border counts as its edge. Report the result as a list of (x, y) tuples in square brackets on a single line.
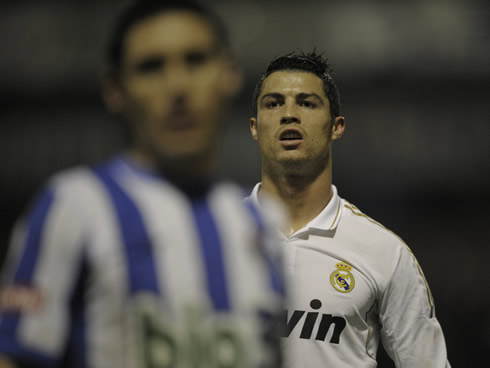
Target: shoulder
[(365, 228), (74, 183), (74, 192), (73, 177), (378, 248), (59, 211)]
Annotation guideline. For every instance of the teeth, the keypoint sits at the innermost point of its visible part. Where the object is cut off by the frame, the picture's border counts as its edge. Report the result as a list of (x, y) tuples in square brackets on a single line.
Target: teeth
[(291, 135)]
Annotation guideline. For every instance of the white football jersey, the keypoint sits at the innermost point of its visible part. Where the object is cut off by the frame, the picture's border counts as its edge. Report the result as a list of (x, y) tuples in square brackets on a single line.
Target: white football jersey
[(350, 282), (115, 267)]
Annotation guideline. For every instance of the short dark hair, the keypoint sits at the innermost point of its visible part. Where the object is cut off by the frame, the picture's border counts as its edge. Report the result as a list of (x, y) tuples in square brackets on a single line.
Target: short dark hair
[(142, 9), (311, 62)]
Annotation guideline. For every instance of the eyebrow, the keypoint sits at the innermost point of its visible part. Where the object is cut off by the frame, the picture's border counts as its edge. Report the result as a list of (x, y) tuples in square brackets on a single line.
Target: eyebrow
[(304, 96), (301, 96), (150, 62), (273, 95)]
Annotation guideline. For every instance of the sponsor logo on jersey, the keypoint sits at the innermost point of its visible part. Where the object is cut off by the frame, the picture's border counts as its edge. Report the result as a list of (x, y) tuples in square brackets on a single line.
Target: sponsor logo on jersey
[(342, 279), (194, 339), (20, 298), (313, 319), (191, 337)]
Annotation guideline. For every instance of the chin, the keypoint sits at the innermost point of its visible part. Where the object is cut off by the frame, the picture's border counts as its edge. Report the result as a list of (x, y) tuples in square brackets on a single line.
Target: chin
[(181, 156), (292, 158), (189, 157), (292, 164)]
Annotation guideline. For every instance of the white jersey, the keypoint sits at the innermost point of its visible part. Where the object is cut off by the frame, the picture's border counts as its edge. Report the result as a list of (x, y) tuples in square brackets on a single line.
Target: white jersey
[(350, 282), (115, 267)]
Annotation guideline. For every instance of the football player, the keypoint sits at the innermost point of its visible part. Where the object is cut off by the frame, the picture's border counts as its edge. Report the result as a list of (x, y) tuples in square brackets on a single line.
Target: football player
[(351, 281)]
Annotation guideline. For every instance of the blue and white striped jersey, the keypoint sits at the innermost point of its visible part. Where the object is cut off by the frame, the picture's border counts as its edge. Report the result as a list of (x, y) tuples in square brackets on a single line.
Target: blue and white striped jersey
[(115, 267)]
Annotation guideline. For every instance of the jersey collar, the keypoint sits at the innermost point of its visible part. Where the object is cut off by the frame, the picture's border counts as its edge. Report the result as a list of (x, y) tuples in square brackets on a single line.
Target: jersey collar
[(327, 219)]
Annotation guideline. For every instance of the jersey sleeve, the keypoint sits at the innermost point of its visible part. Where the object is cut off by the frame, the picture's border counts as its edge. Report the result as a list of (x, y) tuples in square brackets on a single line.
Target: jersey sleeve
[(411, 334), (37, 281)]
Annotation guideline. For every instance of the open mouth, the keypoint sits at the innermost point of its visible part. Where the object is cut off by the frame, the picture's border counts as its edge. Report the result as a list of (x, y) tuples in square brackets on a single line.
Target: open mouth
[(290, 135), (290, 138)]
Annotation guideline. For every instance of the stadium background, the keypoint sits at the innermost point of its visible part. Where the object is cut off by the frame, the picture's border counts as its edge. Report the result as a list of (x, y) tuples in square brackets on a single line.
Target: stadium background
[(414, 79)]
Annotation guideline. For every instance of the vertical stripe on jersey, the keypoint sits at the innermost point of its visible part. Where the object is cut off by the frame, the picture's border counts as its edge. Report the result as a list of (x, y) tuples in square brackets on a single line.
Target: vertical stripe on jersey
[(75, 351), (26, 267), (35, 227), (212, 254), (274, 273), (136, 241)]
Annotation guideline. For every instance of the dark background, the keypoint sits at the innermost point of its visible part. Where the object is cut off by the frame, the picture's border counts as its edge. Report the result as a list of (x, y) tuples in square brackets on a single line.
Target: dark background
[(414, 79)]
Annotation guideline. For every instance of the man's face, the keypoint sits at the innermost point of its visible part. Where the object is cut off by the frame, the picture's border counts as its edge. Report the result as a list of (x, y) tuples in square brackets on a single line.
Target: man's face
[(294, 126), (173, 86)]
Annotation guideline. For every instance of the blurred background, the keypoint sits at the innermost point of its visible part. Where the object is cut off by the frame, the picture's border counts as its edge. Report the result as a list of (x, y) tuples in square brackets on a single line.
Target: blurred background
[(414, 79)]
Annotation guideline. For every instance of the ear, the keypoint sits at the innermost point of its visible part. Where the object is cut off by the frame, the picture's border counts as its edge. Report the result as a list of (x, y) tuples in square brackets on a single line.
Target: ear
[(253, 128), (112, 93), (338, 127)]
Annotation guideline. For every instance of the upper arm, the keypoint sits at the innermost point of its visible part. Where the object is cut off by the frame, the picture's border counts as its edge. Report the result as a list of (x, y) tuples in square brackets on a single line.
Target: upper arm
[(39, 277), (411, 334)]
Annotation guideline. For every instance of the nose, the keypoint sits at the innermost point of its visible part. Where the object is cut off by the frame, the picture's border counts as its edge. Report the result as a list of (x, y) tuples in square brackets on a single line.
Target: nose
[(290, 115), (289, 120), (177, 85), (178, 79)]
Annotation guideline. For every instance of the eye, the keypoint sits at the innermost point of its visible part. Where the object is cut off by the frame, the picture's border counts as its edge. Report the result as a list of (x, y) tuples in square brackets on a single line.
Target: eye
[(150, 65), (308, 104), (271, 104), (196, 58)]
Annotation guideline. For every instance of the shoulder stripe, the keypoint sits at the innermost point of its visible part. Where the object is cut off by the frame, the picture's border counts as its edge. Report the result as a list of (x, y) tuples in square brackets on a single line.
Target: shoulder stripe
[(136, 241), (419, 268), (357, 212), (212, 254)]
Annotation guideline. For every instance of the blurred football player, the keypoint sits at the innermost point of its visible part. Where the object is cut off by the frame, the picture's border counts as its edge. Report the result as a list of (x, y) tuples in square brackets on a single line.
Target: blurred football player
[(146, 260)]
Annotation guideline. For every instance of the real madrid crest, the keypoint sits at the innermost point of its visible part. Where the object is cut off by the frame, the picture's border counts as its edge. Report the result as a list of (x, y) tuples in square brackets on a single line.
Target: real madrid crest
[(341, 279)]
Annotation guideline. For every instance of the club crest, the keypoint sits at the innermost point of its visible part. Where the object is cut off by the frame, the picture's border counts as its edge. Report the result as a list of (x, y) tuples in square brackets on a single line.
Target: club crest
[(341, 279)]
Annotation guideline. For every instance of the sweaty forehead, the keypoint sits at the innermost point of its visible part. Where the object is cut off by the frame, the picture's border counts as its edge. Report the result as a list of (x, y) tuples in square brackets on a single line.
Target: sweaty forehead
[(292, 82), (167, 33)]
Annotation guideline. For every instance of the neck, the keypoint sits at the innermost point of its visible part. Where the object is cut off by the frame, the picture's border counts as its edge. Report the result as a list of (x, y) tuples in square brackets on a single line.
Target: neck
[(192, 176), (305, 196)]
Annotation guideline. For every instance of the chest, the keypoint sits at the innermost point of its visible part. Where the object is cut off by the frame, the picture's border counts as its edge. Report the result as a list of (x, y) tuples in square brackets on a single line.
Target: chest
[(325, 285)]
